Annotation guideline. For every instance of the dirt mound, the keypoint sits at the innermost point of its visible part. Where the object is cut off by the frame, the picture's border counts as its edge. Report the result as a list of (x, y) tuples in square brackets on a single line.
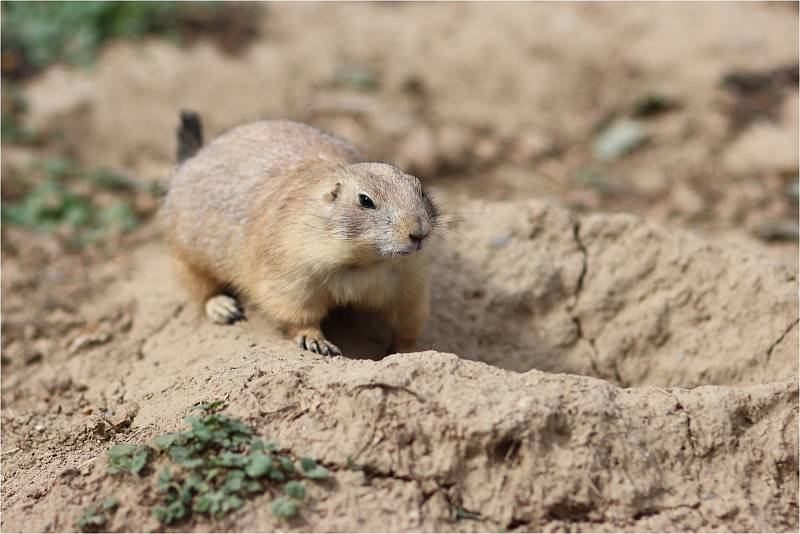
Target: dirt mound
[(523, 286), (610, 296)]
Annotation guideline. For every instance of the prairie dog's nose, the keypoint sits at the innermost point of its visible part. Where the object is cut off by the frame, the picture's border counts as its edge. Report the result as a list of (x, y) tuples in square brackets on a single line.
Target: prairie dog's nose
[(418, 235), (420, 232)]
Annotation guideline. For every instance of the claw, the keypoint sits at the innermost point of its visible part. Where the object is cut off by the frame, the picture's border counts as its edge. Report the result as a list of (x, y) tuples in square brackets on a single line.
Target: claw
[(317, 346), (222, 309)]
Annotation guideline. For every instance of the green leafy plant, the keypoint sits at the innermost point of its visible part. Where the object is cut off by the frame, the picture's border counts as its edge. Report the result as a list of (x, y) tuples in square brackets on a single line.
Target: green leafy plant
[(14, 107), (352, 466), (462, 513), (209, 406), (284, 507), (312, 470), (216, 464), (95, 517), (45, 32), (52, 202), (127, 457), (36, 34), (295, 490)]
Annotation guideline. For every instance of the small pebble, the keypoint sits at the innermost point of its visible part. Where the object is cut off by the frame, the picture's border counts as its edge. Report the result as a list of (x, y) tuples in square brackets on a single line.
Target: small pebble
[(653, 104), (34, 356), (499, 241), (621, 137), (777, 230), (359, 77)]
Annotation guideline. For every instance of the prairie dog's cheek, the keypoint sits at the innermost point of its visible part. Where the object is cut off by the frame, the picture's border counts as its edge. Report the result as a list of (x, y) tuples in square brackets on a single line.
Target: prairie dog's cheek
[(354, 225)]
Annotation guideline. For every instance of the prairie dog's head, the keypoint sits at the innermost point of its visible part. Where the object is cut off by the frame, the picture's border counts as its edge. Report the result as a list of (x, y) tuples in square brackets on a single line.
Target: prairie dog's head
[(378, 212)]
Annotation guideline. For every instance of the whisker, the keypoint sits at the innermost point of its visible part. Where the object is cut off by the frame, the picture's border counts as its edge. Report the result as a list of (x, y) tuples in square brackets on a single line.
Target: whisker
[(451, 221), (470, 213), (444, 233)]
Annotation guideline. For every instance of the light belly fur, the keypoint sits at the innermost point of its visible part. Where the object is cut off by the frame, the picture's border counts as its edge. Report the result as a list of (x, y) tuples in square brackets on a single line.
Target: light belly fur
[(369, 287)]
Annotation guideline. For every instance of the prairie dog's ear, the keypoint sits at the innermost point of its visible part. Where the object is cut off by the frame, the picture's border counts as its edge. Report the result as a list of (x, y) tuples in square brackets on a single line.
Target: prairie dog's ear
[(333, 193)]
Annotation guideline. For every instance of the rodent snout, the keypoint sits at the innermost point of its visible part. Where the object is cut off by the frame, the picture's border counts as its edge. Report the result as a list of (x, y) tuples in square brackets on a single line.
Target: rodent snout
[(418, 235), (419, 232), (409, 234)]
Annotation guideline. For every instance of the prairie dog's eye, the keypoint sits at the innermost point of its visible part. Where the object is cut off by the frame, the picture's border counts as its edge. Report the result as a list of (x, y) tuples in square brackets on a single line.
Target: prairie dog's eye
[(365, 202)]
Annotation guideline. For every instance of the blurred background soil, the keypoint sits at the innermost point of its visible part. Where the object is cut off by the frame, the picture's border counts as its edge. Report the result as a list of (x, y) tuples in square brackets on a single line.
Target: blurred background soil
[(686, 115), (683, 114)]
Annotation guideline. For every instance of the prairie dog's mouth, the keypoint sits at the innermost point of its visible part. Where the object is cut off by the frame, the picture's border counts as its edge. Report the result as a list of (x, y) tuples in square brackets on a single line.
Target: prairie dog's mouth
[(406, 250)]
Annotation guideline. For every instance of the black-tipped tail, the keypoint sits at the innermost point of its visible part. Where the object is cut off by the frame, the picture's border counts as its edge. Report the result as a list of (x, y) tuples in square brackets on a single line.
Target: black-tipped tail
[(190, 135)]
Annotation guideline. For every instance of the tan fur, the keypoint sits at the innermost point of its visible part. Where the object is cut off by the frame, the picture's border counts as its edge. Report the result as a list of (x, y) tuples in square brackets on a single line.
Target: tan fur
[(271, 210)]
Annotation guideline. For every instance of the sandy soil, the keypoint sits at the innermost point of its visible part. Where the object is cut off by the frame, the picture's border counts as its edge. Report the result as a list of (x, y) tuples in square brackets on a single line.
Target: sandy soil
[(582, 370)]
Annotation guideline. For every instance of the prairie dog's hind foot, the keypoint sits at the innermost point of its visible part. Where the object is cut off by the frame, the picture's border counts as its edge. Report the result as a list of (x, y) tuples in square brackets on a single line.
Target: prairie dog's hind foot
[(313, 340), (223, 309)]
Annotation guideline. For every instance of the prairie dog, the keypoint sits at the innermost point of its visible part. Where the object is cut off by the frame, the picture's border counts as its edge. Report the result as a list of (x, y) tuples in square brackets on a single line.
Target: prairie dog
[(297, 221)]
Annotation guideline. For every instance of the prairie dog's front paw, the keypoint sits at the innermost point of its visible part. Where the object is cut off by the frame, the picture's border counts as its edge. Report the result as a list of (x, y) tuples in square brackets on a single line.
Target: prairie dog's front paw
[(222, 309), (317, 344)]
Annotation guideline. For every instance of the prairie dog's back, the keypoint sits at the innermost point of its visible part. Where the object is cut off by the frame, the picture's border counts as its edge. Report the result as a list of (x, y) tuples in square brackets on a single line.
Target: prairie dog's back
[(207, 206)]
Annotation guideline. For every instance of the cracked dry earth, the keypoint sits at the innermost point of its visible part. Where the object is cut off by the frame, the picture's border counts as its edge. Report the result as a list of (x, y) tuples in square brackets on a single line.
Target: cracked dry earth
[(591, 373)]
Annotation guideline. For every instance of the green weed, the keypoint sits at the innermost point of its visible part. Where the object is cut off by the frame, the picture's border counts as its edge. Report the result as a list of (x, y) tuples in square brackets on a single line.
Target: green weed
[(128, 457), (95, 517), (462, 513), (217, 463), (352, 466), (46, 32), (36, 34), (51, 202), (14, 107)]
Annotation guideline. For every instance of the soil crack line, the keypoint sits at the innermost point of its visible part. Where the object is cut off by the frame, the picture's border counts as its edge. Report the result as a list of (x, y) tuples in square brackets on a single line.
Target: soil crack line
[(158, 329), (594, 357), (576, 235), (442, 488), (390, 388), (679, 405), (782, 337)]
